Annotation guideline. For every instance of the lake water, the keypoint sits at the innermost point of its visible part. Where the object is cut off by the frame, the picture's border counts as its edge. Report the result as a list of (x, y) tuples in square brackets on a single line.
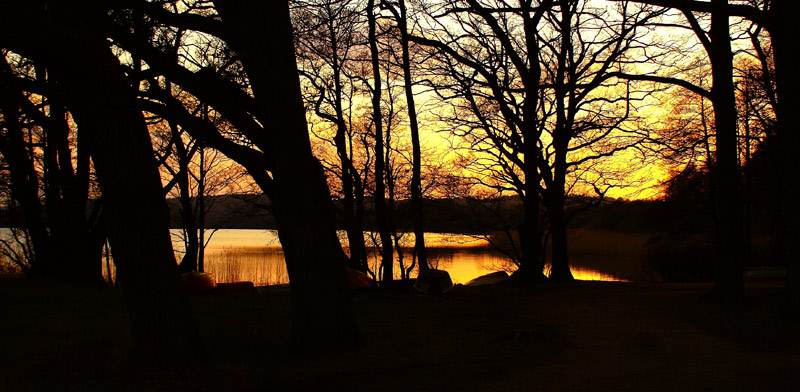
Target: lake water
[(255, 255)]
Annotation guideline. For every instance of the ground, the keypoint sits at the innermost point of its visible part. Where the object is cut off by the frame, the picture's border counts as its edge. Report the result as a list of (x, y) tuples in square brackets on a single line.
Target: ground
[(570, 336)]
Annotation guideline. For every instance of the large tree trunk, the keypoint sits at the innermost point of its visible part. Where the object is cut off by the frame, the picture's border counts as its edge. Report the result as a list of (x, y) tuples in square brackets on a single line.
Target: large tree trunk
[(558, 236), (729, 266), (66, 202), (554, 196), (785, 44), (531, 268), (323, 318)]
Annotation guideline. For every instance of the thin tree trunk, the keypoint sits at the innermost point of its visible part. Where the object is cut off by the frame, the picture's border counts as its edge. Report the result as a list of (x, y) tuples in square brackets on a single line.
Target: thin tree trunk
[(189, 261), (201, 211), (349, 175), (377, 119), (416, 163)]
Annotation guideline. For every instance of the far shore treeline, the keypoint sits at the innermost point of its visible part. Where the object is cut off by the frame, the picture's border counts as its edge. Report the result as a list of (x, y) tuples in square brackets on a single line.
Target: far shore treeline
[(465, 216)]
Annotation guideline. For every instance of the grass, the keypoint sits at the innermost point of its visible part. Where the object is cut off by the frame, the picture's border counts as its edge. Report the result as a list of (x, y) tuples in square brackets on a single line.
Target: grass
[(579, 336)]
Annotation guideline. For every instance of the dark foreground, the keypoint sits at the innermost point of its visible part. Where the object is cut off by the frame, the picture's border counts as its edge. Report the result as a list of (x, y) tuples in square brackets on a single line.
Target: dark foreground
[(581, 336)]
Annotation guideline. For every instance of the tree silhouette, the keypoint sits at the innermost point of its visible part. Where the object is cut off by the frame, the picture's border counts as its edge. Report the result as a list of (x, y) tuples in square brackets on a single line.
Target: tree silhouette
[(268, 137), (537, 94), (104, 107), (400, 13), (327, 41)]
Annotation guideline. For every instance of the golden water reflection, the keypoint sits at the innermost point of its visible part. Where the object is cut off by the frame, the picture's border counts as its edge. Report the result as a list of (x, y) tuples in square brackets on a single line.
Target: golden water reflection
[(255, 255)]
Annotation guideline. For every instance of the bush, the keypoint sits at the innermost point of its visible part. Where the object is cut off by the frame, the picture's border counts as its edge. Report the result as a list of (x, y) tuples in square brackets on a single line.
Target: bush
[(680, 258)]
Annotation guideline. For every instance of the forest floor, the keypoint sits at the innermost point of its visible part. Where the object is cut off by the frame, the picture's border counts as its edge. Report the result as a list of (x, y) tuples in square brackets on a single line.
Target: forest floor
[(572, 337)]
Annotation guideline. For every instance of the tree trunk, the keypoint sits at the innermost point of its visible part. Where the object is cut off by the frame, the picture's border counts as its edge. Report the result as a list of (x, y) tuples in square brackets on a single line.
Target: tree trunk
[(417, 212), (189, 261), (359, 223), (66, 201), (349, 175), (729, 266), (387, 255), (262, 36), (554, 196), (531, 267), (558, 235), (786, 45)]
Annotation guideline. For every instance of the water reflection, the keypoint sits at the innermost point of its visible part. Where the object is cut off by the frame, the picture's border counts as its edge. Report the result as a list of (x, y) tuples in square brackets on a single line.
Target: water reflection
[(255, 255)]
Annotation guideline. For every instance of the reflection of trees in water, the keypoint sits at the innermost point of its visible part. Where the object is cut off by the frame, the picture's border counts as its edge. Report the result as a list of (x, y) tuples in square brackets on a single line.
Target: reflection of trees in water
[(266, 265)]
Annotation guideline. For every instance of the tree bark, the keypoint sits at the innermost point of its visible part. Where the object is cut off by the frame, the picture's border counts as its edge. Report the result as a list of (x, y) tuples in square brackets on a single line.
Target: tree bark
[(728, 281), (351, 179), (387, 254), (561, 136), (262, 36), (189, 261), (417, 213), (785, 44), (531, 267)]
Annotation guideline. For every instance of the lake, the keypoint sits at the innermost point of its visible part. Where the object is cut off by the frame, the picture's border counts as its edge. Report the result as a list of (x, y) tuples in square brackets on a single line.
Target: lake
[(234, 255), (255, 255)]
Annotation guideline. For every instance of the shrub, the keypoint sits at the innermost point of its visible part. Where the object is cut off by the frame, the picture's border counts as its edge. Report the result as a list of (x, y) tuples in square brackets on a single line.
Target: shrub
[(680, 257)]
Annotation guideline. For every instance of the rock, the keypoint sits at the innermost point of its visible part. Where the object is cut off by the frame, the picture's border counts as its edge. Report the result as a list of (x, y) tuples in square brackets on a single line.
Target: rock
[(492, 278), (358, 280), (433, 282), (198, 282)]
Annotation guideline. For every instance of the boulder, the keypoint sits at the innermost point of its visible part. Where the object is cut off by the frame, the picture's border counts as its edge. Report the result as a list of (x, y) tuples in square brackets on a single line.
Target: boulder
[(198, 282), (492, 278), (358, 280), (433, 282)]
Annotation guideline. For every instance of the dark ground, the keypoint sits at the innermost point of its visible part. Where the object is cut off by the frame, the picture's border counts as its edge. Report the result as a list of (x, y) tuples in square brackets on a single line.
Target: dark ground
[(571, 337)]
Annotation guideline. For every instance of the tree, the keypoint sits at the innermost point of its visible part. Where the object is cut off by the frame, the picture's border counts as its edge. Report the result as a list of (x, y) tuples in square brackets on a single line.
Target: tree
[(400, 13), (777, 17), (716, 41), (538, 96), (483, 61), (387, 254), (43, 150), (270, 140), (327, 42), (104, 107)]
